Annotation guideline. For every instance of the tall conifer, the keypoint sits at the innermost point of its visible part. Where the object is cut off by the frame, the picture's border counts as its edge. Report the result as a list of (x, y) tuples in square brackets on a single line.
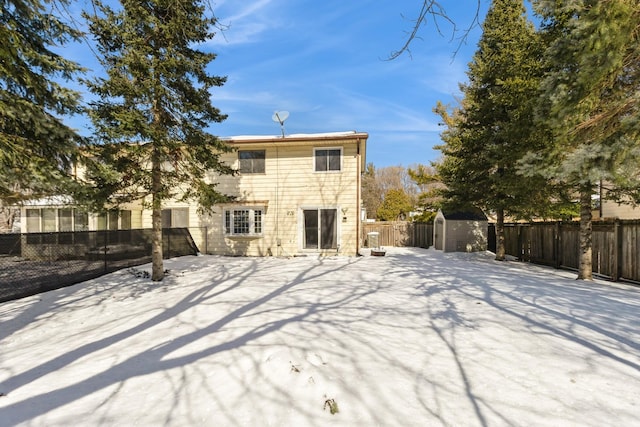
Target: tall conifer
[(589, 103), (492, 128), (154, 106), (36, 147)]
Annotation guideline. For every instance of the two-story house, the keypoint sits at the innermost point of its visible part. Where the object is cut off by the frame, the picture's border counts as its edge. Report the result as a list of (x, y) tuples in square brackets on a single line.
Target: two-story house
[(298, 194)]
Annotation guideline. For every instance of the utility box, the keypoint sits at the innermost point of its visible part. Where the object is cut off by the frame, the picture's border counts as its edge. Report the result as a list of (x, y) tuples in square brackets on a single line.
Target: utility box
[(373, 239)]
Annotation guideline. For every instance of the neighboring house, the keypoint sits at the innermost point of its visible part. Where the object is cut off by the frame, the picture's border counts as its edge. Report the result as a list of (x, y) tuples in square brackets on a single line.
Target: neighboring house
[(298, 194), (611, 210), (460, 231), (607, 209)]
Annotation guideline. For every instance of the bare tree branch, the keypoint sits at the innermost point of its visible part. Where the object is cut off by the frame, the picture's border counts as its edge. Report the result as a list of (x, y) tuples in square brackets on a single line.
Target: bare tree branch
[(433, 9)]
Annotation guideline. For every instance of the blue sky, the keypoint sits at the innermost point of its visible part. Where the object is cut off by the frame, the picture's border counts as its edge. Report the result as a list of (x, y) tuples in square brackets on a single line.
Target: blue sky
[(325, 63)]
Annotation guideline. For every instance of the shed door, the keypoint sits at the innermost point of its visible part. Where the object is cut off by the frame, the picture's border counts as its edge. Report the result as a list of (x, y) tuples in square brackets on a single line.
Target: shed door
[(438, 239)]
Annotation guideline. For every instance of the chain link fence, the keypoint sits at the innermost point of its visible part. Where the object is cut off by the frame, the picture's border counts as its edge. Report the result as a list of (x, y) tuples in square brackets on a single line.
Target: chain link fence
[(31, 263)]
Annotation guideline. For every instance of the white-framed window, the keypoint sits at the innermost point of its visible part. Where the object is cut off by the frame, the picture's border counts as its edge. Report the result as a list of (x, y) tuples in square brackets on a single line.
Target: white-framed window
[(327, 159), (252, 161), (243, 221), (56, 219), (114, 220)]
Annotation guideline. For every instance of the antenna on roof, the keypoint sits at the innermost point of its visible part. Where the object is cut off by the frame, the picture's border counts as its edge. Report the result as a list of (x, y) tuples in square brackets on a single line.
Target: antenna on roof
[(280, 117)]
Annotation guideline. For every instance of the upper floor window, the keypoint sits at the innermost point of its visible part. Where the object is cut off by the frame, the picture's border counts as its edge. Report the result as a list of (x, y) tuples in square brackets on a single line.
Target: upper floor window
[(243, 221), (327, 159), (251, 161)]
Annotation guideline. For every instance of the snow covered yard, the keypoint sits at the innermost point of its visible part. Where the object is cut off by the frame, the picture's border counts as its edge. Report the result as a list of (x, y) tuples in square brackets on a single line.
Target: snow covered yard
[(417, 337)]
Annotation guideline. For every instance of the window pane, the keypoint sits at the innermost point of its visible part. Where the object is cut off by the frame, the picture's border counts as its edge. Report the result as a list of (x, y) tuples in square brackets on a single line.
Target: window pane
[(334, 160), (227, 222), (33, 220), (48, 220), (113, 220), (102, 221), (125, 220), (65, 222), (321, 160), (257, 221), (241, 221), (311, 229), (180, 217), (81, 220), (328, 230), (166, 218)]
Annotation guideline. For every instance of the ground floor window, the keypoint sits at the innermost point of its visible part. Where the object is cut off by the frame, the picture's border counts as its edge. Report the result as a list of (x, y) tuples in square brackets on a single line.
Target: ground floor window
[(175, 218), (56, 219), (320, 228), (114, 220), (243, 221)]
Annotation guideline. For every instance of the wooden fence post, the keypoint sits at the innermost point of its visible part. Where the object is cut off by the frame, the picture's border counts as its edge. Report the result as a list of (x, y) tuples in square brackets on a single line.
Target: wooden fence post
[(520, 248), (556, 245), (617, 251)]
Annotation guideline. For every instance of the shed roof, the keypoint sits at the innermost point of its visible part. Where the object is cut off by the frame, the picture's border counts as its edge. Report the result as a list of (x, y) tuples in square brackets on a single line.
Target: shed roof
[(466, 215)]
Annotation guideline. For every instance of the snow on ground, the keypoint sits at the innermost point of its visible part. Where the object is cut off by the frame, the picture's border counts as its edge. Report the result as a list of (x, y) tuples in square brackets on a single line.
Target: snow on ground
[(416, 337)]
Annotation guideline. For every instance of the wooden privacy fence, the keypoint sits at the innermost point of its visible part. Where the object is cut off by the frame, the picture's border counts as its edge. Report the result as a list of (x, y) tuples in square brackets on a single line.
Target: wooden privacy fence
[(616, 246), (399, 233)]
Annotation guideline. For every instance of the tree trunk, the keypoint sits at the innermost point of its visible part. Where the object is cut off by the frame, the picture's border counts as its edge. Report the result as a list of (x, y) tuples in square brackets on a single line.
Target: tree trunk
[(586, 247), (500, 249), (157, 268)]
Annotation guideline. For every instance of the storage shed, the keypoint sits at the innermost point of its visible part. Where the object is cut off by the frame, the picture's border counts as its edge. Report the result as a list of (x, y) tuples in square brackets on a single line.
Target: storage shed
[(460, 231)]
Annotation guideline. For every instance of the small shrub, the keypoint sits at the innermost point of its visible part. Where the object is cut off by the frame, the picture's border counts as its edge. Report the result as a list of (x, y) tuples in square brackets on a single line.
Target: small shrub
[(332, 405)]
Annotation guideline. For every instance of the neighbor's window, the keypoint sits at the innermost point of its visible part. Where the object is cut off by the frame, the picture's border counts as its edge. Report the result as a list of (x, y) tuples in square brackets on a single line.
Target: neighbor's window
[(243, 221), (175, 218), (327, 159), (65, 219), (49, 219), (251, 161), (33, 220), (80, 220), (113, 220), (56, 219)]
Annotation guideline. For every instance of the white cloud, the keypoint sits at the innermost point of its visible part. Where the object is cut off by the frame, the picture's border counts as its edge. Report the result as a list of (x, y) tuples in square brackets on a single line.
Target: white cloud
[(243, 22)]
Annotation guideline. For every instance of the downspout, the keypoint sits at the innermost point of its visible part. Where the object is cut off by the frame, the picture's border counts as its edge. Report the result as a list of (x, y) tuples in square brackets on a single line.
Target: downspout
[(278, 243), (358, 212)]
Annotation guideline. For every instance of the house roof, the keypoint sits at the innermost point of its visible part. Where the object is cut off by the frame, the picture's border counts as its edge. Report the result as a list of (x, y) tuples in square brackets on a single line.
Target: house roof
[(467, 215), (297, 137)]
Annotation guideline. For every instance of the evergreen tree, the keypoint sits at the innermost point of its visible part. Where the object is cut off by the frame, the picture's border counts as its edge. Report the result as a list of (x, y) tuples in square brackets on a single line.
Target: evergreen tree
[(492, 128), (430, 184), (372, 193), (36, 147), (153, 108), (589, 103), (395, 206)]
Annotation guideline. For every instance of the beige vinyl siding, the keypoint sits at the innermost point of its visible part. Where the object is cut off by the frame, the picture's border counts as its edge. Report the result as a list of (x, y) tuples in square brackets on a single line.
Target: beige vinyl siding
[(621, 211), (289, 185)]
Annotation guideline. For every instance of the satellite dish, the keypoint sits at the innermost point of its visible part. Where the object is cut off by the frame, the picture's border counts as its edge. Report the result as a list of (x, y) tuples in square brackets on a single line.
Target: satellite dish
[(280, 117)]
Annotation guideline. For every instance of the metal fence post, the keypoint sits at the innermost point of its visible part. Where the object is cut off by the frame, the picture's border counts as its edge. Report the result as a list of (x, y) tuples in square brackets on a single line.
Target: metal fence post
[(106, 248)]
